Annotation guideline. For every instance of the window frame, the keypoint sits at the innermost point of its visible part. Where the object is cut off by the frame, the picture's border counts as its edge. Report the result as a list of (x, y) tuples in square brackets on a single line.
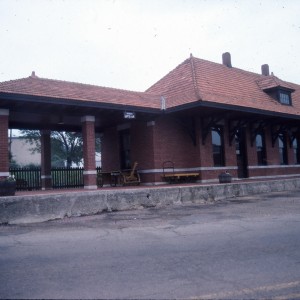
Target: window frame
[(281, 92), (261, 159), (218, 157)]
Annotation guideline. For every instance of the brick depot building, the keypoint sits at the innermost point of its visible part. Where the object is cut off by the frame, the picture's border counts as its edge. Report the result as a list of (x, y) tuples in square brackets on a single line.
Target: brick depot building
[(204, 116)]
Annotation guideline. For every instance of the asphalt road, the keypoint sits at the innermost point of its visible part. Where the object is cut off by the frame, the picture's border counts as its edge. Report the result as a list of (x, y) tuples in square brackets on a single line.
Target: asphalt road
[(244, 248)]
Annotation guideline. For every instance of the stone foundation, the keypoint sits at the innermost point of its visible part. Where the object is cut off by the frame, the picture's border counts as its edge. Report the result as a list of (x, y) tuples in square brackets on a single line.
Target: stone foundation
[(45, 207)]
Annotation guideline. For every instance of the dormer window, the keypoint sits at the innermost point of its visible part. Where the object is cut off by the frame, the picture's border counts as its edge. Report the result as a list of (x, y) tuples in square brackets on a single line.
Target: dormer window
[(278, 89), (284, 97)]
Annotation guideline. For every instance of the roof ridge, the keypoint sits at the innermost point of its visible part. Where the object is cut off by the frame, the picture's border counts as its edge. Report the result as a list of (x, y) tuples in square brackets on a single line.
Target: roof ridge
[(161, 79), (250, 73), (194, 77), (31, 77)]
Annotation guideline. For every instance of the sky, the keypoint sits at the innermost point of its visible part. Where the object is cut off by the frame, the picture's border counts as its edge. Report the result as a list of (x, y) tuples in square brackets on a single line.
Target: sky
[(131, 44)]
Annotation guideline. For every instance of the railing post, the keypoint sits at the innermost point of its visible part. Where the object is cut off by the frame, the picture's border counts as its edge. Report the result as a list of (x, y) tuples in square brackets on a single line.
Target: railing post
[(46, 160)]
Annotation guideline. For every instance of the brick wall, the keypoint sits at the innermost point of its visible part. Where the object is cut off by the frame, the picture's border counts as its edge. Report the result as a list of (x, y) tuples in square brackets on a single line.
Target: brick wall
[(272, 152), (205, 149), (142, 148), (173, 142), (166, 138), (229, 148), (141, 134), (110, 150), (142, 144)]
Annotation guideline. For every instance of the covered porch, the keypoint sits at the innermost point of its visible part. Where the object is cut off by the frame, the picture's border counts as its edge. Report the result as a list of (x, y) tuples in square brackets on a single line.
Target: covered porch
[(47, 105)]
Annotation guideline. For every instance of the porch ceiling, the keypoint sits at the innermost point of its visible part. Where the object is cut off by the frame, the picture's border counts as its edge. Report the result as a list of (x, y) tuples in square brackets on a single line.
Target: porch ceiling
[(32, 112)]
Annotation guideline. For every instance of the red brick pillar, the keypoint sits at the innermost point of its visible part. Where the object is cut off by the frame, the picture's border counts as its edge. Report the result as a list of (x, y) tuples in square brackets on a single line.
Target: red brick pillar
[(88, 135), (46, 160), (4, 157)]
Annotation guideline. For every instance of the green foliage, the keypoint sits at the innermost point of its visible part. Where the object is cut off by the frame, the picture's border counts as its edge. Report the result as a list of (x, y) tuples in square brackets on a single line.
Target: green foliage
[(31, 166), (13, 163), (64, 146), (33, 138)]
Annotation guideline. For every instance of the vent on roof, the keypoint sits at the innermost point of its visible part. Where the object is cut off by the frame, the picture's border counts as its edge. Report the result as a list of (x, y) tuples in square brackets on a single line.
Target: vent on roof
[(226, 58), (33, 74), (265, 70)]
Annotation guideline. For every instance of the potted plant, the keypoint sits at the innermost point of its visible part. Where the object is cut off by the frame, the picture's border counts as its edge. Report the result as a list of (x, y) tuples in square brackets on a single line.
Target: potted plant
[(225, 177), (8, 186)]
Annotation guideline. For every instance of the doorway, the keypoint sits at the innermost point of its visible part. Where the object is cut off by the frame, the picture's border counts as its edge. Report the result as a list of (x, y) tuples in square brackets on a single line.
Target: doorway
[(125, 158)]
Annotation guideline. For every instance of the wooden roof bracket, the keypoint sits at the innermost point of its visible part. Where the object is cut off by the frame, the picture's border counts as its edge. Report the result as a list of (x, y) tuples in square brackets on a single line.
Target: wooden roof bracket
[(291, 136), (292, 133), (233, 127), (207, 124), (276, 130), (254, 130)]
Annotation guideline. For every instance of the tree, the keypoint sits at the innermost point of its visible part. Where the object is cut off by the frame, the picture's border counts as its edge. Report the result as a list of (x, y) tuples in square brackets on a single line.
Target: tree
[(66, 147)]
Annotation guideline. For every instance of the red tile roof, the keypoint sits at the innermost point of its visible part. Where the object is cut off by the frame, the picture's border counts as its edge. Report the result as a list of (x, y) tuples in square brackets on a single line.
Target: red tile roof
[(200, 80), (57, 89), (193, 81)]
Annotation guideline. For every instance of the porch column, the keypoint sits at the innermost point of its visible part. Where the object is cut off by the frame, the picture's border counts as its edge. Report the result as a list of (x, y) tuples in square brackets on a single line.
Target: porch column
[(46, 160), (88, 135), (4, 154)]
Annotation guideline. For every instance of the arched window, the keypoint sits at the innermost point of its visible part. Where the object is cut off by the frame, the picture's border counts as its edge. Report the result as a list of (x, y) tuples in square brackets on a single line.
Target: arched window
[(218, 147), (296, 151), (282, 149), (260, 149)]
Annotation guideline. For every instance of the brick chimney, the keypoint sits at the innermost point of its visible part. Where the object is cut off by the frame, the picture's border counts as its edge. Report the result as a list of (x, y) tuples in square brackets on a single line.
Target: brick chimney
[(265, 70), (226, 58), (33, 74)]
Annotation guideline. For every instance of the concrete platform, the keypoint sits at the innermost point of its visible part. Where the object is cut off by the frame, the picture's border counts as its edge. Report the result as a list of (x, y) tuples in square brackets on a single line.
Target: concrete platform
[(41, 206)]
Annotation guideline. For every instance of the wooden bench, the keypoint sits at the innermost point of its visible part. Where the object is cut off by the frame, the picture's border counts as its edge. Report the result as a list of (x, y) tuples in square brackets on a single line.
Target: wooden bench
[(171, 176), (108, 178)]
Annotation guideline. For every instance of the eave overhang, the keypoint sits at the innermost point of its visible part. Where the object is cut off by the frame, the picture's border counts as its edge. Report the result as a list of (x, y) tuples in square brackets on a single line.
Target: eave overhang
[(230, 107), (24, 98)]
